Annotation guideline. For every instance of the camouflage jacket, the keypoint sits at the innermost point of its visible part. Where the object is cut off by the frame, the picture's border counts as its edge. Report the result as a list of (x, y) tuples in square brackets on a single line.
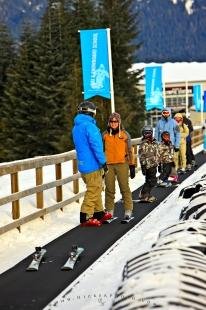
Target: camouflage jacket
[(148, 153), (166, 153)]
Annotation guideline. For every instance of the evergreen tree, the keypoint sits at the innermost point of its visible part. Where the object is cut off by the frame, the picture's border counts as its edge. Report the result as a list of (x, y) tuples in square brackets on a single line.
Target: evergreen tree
[(52, 88), (118, 16), (36, 112), (44, 87), (80, 15), (18, 104), (6, 55), (6, 59)]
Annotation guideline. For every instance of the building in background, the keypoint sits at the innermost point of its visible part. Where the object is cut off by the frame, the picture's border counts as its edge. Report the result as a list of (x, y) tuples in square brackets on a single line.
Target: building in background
[(178, 81)]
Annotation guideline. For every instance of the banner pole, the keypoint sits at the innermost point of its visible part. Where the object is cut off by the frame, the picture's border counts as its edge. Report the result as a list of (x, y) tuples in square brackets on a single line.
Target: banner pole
[(110, 70), (186, 99), (201, 108)]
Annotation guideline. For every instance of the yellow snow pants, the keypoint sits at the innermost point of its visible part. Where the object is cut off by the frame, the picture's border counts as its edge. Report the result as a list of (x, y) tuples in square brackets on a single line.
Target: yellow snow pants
[(180, 157), (121, 173), (93, 197)]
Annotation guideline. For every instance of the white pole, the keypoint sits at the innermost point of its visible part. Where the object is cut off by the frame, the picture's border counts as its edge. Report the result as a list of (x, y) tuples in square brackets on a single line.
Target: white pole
[(164, 95), (163, 89), (110, 70), (186, 98), (201, 108)]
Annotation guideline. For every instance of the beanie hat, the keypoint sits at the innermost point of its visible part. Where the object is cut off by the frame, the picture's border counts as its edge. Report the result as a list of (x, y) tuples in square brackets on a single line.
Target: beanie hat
[(115, 115), (118, 118)]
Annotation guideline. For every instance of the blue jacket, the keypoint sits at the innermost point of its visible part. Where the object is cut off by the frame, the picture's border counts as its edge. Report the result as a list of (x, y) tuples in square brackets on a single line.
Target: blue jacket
[(172, 127), (88, 144)]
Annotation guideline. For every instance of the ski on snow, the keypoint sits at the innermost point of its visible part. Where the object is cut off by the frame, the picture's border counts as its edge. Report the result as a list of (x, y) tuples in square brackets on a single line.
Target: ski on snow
[(127, 220), (73, 257), (110, 220), (37, 259)]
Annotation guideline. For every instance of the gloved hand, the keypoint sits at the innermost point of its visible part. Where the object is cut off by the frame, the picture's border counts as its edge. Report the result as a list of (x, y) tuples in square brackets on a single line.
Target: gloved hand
[(132, 171), (105, 169), (176, 149), (143, 167)]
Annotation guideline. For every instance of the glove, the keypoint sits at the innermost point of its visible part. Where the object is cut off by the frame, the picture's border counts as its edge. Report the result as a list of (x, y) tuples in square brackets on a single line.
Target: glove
[(176, 149), (105, 168), (143, 167), (132, 171)]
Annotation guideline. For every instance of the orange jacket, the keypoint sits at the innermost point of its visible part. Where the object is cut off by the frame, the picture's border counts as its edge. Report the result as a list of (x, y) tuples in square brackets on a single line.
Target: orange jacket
[(118, 147)]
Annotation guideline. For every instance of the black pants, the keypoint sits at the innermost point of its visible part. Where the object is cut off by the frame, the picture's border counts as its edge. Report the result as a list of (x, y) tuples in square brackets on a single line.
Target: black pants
[(189, 153), (166, 170), (150, 181)]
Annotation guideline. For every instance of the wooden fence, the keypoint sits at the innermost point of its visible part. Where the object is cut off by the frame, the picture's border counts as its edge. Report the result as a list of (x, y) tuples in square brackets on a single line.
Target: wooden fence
[(37, 163)]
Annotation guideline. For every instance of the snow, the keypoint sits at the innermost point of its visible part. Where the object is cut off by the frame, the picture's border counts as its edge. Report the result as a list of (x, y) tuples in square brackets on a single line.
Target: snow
[(188, 5), (95, 288)]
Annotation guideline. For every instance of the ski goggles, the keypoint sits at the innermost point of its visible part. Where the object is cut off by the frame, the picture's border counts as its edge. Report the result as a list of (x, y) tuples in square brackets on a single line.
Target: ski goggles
[(113, 121), (165, 113)]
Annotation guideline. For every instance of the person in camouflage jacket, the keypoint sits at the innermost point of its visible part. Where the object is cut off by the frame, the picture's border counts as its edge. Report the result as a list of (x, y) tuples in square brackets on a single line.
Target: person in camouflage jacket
[(149, 160), (166, 152)]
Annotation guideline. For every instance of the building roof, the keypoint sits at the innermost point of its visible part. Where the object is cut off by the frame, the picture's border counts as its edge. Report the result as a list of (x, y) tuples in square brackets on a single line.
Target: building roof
[(178, 71)]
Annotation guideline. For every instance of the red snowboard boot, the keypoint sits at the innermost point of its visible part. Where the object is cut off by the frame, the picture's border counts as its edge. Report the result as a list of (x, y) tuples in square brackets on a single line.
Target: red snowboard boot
[(91, 222), (105, 217)]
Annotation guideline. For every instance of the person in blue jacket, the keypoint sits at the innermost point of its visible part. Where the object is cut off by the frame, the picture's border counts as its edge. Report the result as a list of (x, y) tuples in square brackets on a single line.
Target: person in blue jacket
[(166, 123), (91, 164)]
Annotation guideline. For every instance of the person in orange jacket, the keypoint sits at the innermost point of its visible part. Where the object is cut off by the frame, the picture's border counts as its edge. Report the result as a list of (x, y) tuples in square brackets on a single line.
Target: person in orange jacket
[(120, 161)]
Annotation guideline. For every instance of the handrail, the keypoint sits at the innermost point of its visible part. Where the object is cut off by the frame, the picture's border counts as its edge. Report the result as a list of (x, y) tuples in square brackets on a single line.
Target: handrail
[(37, 163)]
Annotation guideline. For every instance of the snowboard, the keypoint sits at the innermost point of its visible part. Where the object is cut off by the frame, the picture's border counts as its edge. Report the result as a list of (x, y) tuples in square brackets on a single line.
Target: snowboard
[(37, 259), (125, 221), (110, 220), (73, 257)]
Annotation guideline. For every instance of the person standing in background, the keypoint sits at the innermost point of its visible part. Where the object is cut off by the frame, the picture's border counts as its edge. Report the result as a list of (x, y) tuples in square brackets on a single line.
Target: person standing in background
[(166, 152), (180, 157), (189, 152), (166, 123), (149, 160), (91, 164), (120, 163)]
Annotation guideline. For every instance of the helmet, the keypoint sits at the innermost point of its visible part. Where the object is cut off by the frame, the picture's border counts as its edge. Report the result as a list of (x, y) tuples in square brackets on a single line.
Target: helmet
[(87, 107), (147, 131), (165, 136)]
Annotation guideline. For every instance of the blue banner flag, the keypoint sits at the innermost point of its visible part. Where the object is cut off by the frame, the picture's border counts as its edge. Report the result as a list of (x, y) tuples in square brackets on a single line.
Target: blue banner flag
[(204, 101), (153, 88), (95, 63), (197, 97)]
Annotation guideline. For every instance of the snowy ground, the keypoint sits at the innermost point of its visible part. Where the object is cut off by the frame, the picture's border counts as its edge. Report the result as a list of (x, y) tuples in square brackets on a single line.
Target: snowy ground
[(95, 288)]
